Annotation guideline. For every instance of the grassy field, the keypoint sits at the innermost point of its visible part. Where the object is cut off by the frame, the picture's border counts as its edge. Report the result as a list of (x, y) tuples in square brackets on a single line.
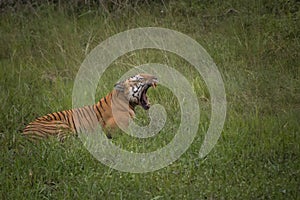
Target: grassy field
[(256, 48)]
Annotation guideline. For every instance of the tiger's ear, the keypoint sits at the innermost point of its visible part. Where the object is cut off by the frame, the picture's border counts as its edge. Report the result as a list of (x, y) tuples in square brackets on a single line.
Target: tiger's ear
[(119, 86)]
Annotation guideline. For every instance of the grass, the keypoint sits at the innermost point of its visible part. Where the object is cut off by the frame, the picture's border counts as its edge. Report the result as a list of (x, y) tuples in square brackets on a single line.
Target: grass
[(256, 48)]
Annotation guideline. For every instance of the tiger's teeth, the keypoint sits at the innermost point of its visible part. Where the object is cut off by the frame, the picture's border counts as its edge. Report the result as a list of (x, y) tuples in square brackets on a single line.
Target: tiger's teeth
[(154, 85)]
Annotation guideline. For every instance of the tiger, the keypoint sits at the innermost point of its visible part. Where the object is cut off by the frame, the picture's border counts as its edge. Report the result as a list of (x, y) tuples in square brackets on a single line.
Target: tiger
[(120, 102)]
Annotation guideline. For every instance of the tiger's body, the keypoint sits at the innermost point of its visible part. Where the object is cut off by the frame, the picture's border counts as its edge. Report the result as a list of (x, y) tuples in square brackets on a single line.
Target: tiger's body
[(121, 102)]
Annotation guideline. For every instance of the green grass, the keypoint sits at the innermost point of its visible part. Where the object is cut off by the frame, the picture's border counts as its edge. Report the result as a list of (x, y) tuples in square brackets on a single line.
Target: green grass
[(256, 49)]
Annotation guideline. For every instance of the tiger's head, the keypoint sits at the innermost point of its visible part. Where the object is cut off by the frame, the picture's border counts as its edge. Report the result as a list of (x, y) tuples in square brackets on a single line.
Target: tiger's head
[(135, 89)]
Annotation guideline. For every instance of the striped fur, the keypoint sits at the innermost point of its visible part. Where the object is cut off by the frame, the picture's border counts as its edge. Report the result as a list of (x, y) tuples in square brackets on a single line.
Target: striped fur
[(121, 102)]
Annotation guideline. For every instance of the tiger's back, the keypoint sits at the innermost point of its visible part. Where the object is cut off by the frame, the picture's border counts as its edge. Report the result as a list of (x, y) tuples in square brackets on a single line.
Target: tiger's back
[(59, 124)]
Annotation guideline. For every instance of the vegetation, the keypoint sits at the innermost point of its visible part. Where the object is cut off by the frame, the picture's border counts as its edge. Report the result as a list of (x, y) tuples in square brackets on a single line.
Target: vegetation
[(255, 45)]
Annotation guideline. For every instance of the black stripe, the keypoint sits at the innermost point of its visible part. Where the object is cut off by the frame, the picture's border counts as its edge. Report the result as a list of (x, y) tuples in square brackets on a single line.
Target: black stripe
[(71, 116), (131, 106), (74, 125), (85, 112), (46, 117), (57, 113), (90, 112), (84, 116), (52, 116), (79, 116), (45, 123), (61, 115), (35, 131), (105, 101), (50, 126), (101, 105), (67, 117), (97, 108)]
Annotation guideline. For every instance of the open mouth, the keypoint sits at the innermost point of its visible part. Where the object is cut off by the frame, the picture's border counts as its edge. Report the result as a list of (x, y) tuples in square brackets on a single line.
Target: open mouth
[(144, 99)]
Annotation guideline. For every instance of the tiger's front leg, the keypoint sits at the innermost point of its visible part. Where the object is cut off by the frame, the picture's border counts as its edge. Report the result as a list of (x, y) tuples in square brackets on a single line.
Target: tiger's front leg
[(120, 121)]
